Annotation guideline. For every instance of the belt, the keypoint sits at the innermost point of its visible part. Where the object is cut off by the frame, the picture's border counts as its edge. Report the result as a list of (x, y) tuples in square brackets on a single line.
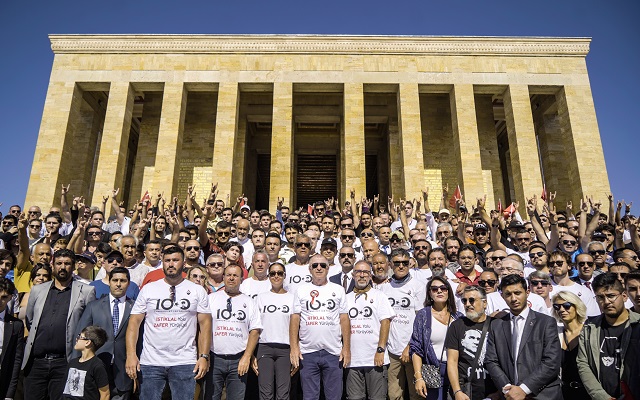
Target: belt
[(229, 356), (51, 356)]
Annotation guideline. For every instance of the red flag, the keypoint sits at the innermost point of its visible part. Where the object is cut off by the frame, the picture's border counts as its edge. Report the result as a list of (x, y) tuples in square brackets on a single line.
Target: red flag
[(310, 209), (457, 195), (146, 198), (499, 205), (242, 202), (543, 196), (509, 210)]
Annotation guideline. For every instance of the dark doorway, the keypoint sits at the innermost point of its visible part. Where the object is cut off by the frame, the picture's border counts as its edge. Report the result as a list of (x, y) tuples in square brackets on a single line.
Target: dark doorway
[(316, 178), (371, 163), (263, 174)]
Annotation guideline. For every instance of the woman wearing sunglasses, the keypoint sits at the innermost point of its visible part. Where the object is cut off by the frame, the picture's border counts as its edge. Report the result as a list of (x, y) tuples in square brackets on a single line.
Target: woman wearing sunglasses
[(272, 363), (571, 312), (429, 332)]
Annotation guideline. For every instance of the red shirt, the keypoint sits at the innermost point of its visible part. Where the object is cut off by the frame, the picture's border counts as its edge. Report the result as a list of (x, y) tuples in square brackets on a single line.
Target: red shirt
[(464, 279), (156, 275)]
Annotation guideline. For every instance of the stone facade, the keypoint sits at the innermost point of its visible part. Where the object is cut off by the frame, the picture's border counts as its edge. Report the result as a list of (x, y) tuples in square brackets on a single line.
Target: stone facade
[(158, 112)]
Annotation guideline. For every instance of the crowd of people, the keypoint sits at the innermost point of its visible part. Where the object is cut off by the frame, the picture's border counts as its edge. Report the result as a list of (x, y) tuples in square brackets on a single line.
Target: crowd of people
[(373, 299)]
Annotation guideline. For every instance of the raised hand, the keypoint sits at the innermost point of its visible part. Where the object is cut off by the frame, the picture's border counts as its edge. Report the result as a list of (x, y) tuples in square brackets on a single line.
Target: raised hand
[(627, 208), (115, 192), (65, 190)]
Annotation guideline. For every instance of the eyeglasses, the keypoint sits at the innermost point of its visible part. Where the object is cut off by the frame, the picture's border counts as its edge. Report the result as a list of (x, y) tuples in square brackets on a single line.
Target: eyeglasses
[(569, 242), (470, 300), (535, 255), (183, 238), (436, 289), (223, 233), (401, 262), (498, 258), (276, 273), (488, 282), (565, 305), (361, 272), (611, 297), (304, 244), (197, 276), (172, 293), (348, 237), (322, 265), (229, 305), (538, 283), (597, 252), (215, 264), (583, 263), (349, 255), (556, 263), (189, 248)]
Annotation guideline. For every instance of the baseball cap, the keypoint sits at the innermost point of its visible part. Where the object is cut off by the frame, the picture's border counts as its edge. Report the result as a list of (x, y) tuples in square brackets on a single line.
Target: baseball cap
[(480, 226)]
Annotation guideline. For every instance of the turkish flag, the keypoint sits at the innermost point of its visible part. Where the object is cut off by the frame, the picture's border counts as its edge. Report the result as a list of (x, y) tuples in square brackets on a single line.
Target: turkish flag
[(457, 195), (509, 210), (310, 209), (146, 198), (241, 202), (543, 196)]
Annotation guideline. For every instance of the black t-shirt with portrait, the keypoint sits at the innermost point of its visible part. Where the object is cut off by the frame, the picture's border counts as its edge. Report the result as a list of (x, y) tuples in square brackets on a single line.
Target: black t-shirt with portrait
[(464, 335), (84, 379), (610, 358)]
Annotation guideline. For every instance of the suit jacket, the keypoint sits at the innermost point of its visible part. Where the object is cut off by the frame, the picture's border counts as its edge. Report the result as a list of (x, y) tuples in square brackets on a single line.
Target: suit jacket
[(11, 357), (539, 355), (115, 349), (336, 279), (81, 295)]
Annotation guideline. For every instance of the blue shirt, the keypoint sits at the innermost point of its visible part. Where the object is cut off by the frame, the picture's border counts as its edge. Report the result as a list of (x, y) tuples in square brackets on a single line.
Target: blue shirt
[(102, 289)]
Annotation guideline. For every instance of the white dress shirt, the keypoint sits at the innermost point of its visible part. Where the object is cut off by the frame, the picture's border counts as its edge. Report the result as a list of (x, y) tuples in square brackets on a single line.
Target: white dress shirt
[(521, 320), (121, 301), (2, 315)]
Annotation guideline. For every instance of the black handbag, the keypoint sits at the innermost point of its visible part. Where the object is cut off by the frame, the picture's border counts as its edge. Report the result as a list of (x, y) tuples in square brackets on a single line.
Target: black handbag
[(432, 374)]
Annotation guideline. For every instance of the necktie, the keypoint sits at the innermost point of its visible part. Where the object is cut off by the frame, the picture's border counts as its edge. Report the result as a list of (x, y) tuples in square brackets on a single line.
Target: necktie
[(514, 345), (344, 283), (115, 316)]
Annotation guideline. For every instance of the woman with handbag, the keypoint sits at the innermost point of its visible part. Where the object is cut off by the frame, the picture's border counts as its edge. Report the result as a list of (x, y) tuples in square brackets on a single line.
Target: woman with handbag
[(427, 341)]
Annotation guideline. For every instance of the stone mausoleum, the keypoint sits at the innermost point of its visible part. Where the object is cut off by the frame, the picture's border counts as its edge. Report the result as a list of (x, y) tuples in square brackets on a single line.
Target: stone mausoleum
[(308, 117)]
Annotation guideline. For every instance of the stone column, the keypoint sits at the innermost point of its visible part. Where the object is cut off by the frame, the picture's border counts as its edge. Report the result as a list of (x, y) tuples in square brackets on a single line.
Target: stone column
[(394, 156), (115, 141), (60, 108), (489, 156), (237, 181), (281, 179), (583, 147), (353, 143), (225, 138), (465, 141), (410, 140), (525, 163), (170, 134)]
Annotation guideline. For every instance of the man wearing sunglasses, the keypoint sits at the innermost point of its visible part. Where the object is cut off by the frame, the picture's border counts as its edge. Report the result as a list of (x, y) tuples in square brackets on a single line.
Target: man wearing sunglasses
[(628, 256), (466, 344), (495, 301), (347, 257), (298, 271), (586, 267), (320, 333), (597, 250), (606, 373), (559, 265), (538, 257)]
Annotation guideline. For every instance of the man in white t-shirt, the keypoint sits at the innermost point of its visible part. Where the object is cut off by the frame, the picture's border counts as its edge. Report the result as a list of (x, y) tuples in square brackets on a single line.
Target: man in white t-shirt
[(298, 271), (406, 295), (370, 314), (320, 333), (236, 330), (174, 310), (259, 281), (495, 302), (559, 265)]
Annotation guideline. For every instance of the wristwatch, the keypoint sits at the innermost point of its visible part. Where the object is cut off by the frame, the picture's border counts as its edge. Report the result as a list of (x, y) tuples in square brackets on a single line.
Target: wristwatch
[(380, 350), (205, 356)]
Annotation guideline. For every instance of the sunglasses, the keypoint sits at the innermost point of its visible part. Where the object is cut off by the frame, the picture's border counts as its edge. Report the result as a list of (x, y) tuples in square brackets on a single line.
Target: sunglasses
[(349, 255), (421, 247), (583, 263), (470, 300), (535, 255), (34, 212), (395, 239), (343, 226), (223, 233), (197, 276), (366, 234), (405, 263), (172, 293), (215, 264), (348, 237), (488, 282), (183, 238), (322, 265), (80, 337), (116, 259), (304, 244), (569, 242), (556, 263), (597, 252), (276, 273), (35, 226), (94, 233), (537, 283), (436, 289), (189, 248), (361, 272), (498, 258), (565, 305)]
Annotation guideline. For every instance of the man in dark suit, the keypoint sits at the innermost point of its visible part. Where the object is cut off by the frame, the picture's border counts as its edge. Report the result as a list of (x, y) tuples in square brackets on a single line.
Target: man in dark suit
[(53, 311), (112, 314), (523, 350), (347, 257), (12, 344)]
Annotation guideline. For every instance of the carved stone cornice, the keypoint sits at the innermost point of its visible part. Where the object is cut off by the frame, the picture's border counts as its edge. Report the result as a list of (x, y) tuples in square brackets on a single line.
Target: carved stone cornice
[(319, 44)]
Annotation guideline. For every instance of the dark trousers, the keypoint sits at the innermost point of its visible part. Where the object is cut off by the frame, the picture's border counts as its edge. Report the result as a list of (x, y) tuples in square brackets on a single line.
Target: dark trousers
[(274, 364), (45, 379), (321, 366)]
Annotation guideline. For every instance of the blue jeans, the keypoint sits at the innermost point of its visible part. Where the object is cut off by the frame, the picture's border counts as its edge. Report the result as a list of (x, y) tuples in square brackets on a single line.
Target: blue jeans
[(321, 365), (224, 373), (180, 378)]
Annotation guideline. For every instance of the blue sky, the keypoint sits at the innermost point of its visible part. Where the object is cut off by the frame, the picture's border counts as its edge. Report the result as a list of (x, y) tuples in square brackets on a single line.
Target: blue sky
[(613, 63)]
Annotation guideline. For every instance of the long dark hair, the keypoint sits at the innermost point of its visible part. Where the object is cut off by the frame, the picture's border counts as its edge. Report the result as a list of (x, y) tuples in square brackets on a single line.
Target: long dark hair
[(451, 301)]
